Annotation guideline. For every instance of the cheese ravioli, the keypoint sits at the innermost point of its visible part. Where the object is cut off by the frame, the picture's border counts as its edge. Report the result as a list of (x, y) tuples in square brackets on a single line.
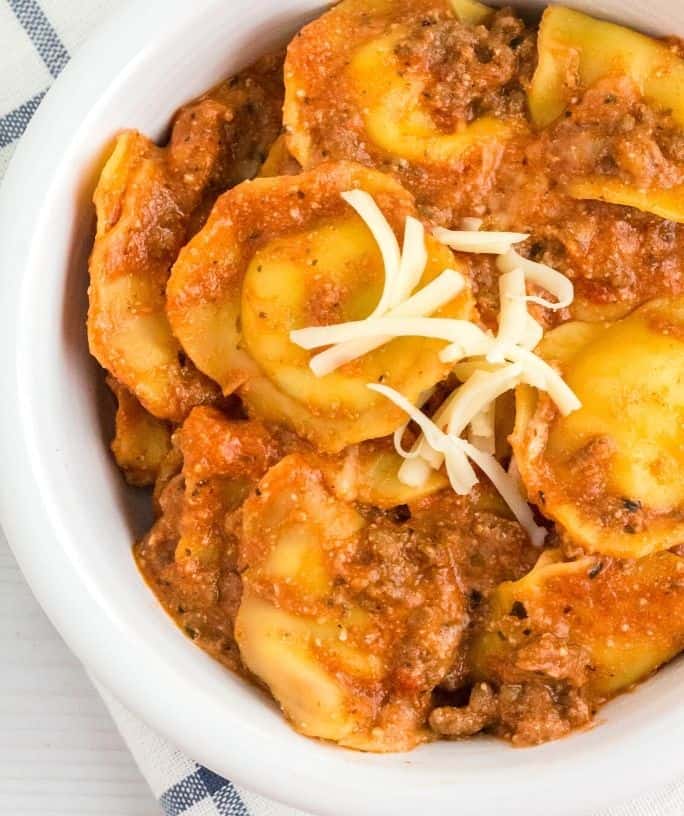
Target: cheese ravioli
[(336, 636), (548, 626), (578, 52), (148, 201), (610, 473), (278, 254), (390, 84)]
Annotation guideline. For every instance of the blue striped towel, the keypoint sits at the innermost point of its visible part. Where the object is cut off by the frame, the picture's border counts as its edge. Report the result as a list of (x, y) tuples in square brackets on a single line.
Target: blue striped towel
[(183, 787), (37, 38)]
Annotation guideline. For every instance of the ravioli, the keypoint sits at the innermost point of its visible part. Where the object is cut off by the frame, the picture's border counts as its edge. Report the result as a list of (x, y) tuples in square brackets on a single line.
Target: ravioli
[(575, 53), (335, 636), (190, 555), (665, 203), (576, 50), (609, 473), (396, 121), (148, 200), (141, 441), (547, 625), (388, 84), (284, 253)]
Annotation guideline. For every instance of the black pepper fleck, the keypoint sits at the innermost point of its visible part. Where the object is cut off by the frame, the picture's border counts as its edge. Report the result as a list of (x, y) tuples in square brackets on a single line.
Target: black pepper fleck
[(596, 570), (536, 250), (475, 597), (518, 610), (400, 513)]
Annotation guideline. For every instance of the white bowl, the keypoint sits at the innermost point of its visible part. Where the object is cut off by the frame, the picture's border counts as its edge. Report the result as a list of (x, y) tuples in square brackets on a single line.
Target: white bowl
[(71, 522)]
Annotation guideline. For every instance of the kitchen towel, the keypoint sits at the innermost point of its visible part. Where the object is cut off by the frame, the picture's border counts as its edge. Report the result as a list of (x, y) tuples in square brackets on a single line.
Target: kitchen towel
[(183, 787), (36, 39)]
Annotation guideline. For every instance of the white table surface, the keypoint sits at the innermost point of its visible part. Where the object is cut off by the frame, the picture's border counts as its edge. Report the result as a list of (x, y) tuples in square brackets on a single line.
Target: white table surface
[(60, 752)]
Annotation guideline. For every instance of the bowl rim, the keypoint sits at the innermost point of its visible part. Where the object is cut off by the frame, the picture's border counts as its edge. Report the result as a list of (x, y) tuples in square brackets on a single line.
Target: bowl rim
[(107, 643)]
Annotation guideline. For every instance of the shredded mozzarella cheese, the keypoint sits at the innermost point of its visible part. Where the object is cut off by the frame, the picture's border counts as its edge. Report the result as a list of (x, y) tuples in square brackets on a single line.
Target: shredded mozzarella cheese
[(432, 296), (532, 334), (456, 413), (440, 291), (471, 337), (399, 433), (482, 424), (540, 374), (386, 240), (513, 315), (461, 473), (509, 492), (413, 260), (482, 429), (415, 471), (530, 337), (541, 275), (456, 452), (468, 240), (476, 394)]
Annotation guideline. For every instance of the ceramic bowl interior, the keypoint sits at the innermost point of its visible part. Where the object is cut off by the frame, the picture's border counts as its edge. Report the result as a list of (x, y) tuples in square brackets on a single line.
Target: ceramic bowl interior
[(71, 521)]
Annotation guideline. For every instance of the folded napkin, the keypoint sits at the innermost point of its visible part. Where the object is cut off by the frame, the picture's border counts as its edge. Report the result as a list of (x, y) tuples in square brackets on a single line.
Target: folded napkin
[(37, 39)]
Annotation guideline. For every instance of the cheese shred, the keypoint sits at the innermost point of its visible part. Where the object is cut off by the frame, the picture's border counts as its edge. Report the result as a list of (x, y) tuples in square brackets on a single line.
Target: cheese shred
[(385, 238), (440, 291), (542, 276), (470, 240), (473, 340)]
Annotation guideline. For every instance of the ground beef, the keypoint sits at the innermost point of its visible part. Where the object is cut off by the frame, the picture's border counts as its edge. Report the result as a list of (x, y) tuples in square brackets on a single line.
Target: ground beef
[(481, 712), (533, 713), (473, 71), (612, 132)]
